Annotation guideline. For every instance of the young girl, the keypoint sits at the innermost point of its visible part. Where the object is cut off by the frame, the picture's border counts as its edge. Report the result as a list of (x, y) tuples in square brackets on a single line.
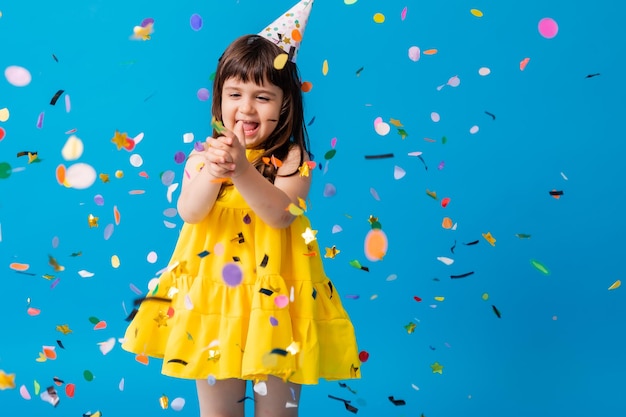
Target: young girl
[(245, 296)]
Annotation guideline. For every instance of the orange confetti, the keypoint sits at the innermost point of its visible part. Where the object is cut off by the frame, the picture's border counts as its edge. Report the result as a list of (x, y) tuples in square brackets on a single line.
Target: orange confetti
[(375, 245), (116, 215), (430, 52), (296, 35), (19, 267), (447, 223), (100, 325), (60, 173), (142, 359), (522, 65), (50, 352), (32, 311), (306, 86), (555, 195)]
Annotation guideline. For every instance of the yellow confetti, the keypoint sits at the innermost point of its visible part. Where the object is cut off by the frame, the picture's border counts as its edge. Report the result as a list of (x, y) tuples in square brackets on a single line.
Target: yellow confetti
[(331, 252), (395, 122), (615, 285), (164, 402), (489, 238), (309, 235), (4, 114), (379, 18), (485, 296), (115, 261), (437, 368), (325, 67), (280, 61), (7, 381), (119, 174), (64, 328), (440, 298), (476, 12), (294, 210), (92, 221)]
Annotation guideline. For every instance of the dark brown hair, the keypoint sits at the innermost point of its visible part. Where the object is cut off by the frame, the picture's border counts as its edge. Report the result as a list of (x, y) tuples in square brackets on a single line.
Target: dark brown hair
[(250, 58)]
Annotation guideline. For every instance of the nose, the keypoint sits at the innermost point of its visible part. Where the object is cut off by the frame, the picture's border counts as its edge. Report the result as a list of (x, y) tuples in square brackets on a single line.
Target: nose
[(246, 106)]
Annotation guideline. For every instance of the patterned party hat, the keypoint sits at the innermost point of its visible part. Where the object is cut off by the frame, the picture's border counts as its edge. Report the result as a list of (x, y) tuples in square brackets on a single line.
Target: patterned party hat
[(288, 29)]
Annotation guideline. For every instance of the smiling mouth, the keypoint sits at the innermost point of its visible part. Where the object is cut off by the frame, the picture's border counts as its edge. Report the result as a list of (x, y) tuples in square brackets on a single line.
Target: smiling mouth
[(250, 128)]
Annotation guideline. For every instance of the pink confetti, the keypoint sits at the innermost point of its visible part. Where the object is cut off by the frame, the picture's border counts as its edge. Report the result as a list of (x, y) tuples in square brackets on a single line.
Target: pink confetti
[(403, 14), (24, 392), (134, 289), (374, 194), (40, 120), (441, 165), (333, 143)]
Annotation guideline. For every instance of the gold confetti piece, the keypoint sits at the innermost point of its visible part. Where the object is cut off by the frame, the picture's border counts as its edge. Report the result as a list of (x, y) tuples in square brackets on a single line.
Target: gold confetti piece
[(115, 261), (54, 264), (485, 296), (379, 18), (395, 122), (476, 12), (164, 402), (489, 238), (103, 177), (437, 368), (615, 285), (331, 252), (92, 221), (294, 210), (7, 381), (305, 169), (64, 328), (280, 61), (325, 67), (410, 328), (432, 194), (440, 298)]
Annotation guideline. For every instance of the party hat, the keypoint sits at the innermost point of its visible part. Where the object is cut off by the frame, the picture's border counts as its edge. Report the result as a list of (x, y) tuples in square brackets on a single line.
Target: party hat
[(288, 29)]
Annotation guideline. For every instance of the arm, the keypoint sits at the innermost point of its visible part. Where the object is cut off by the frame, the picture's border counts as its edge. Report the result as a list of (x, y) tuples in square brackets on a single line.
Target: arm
[(202, 179), (269, 201)]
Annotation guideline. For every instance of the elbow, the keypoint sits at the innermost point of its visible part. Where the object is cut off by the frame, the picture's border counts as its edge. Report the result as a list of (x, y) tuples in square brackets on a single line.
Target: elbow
[(189, 216), (282, 222)]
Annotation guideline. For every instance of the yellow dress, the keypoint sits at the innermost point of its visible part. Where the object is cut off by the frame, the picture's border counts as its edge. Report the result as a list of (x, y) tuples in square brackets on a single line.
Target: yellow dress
[(246, 301)]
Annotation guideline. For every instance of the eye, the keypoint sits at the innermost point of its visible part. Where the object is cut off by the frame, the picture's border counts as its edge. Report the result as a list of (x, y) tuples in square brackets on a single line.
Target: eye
[(234, 95), (262, 98)]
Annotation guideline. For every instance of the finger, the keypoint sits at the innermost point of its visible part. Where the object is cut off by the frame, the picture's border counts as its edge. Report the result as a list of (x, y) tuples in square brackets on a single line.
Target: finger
[(237, 133)]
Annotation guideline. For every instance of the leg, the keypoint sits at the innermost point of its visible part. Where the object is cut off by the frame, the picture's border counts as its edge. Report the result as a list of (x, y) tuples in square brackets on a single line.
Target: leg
[(220, 399), (274, 404)]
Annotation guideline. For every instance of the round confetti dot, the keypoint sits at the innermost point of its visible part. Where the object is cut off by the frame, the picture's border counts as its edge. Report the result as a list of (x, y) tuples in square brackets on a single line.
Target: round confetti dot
[(73, 149), (548, 28), (454, 81), (170, 212), (329, 190), (382, 128), (5, 170), (188, 137), (306, 86), (198, 146), (211, 380), (281, 301), (379, 18), (136, 160), (375, 246), (414, 53), (167, 178), (17, 76), (445, 201), (364, 356), (2, 133), (152, 284), (218, 249), (349, 2), (152, 257), (4, 115), (473, 130), (118, 174), (179, 157), (55, 242), (484, 71), (247, 219), (435, 117), (88, 375), (80, 176), (203, 94), (273, 321), (485, 296), (195, 22), (177, 404), (232, 274), (280, 61), (115, 261), (555, 318), (147, 21), (476, 12)]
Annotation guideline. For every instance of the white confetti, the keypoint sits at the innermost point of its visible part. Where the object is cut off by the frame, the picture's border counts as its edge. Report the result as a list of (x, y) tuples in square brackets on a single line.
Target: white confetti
[(170, 191), (188, 137), (121, 385), (562, 174), (260, 388), (106, 347), (398, 172), (445, 260), (177, 404), (85, 274)]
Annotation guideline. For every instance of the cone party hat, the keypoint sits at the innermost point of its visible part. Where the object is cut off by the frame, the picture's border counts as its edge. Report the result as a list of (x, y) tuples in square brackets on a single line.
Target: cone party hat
[(287, 31)]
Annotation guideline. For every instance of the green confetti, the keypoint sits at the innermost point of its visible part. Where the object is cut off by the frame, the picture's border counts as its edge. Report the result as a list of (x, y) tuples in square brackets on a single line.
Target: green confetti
[(522, 235), (330, 154), (355, 264), (410, 328), (539, 266), (218, 126), (88, 375), (403, 134), (444, 140), (5, 170), (94, 320)]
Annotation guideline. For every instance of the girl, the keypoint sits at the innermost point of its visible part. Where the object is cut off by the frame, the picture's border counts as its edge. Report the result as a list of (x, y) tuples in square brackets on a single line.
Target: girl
[(245, 296)]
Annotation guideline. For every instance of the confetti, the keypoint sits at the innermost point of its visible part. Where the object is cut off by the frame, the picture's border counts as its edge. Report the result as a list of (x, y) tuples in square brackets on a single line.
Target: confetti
[(403, 13), (376, 245), (615, 285), (476, 12), (523, 63), (484, 71), (56, 97), (445, 260), (467, 274), (195, 22), (4, 115), (325, 67), (7, 381), (397, 402), (496, 311), (17, 76), (437, 368), (414, 53), (493, 116), (379, 18), (489, 238), (398, 172), (548, 28), (380, 156), (539, 266)]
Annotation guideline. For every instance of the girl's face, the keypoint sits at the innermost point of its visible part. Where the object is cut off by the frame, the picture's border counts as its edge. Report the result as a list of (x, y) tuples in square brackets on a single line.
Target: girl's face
[(257, 106)]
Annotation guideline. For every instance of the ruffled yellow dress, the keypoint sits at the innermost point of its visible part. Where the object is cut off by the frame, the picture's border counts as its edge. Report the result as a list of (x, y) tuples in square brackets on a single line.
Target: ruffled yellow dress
[(241, 299)]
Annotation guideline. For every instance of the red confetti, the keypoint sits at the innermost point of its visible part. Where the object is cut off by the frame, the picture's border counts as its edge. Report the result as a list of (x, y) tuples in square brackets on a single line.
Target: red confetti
[(69, 390), (364, 356), (416, 298)]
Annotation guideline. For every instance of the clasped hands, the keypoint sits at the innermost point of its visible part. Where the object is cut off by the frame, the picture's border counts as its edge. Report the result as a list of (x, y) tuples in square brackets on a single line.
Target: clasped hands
[(226, 155)]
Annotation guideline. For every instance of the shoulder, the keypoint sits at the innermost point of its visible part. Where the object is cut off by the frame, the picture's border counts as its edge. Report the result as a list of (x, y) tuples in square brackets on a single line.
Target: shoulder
[(294, 159)]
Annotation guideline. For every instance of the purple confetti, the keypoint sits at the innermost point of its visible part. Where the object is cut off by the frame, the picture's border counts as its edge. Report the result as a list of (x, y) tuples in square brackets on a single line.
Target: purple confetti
[(329, 190), (198, 146), (273, 321), (179, 157), (196, 22), (40, 120), (203, 94), (232, 274)]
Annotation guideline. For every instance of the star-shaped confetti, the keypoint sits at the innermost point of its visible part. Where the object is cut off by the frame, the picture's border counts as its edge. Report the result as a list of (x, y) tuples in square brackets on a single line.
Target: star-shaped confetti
[(64, 328), (143, 32), (104, 178), (305, 169), (92, 221), (410, 328), (161, 319), (309, 235), (7, 381), (121, 140), (437, 368), (331, 252)]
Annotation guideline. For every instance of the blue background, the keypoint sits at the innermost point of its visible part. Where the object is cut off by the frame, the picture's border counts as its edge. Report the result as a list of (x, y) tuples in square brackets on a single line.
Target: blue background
[(557, 348)]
